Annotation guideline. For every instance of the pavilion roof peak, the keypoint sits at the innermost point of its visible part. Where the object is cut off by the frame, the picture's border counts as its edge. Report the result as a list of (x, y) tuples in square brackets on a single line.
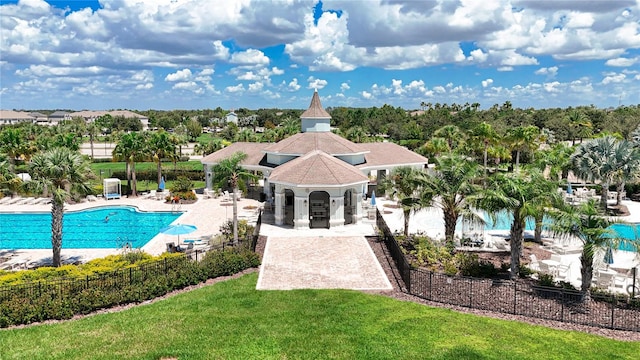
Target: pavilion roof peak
[(315, 109)]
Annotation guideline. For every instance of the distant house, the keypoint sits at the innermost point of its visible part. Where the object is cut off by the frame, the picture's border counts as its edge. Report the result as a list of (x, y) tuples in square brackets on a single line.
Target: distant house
[(91, 116), (232, 118), (8, 117), (59, 116)]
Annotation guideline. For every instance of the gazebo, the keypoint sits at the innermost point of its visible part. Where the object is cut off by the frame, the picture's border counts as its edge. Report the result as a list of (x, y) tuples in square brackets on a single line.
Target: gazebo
[(112, 188)]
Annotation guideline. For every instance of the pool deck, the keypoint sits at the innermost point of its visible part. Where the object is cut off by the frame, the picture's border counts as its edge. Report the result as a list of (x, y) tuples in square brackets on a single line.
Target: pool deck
[(206, 214)]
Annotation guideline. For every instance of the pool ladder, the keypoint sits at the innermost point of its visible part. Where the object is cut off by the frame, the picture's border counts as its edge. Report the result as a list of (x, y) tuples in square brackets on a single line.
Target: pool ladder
[(176, 207)]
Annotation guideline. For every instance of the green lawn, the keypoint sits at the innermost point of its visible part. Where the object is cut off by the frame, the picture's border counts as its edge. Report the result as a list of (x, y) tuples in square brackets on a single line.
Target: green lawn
[(103, 170), (231, 320)]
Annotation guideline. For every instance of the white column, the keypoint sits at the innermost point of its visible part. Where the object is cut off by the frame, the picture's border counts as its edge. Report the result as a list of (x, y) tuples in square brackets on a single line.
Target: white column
[(301, 216), (208, 171), (279, 205), (267, 186), (336, 211), (358, 214)]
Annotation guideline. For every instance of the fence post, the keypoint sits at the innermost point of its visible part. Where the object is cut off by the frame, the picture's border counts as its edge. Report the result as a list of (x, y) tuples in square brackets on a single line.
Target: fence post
[(515, 296), (130, 275), (562, 297), (87, 282), (165, 266), (471, 293), (430, 284), (613, 308)]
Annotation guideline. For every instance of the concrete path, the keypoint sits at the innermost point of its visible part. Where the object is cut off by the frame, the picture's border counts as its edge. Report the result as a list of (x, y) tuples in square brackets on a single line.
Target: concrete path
[(339, 259)]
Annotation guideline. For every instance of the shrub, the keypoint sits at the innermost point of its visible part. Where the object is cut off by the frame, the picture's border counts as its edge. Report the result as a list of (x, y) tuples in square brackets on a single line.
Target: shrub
[(244, 229), (228, 261), (470, 265), (546, 280)]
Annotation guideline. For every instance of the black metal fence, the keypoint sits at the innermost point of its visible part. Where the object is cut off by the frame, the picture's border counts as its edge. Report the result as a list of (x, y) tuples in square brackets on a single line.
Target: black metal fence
[(112, 281), (514, 297)]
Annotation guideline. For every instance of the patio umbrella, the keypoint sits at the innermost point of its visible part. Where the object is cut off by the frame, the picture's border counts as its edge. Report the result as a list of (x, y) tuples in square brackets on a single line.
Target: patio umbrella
[(569, 189), (161, 185), (608, 256), (373, 198), (178, 229)]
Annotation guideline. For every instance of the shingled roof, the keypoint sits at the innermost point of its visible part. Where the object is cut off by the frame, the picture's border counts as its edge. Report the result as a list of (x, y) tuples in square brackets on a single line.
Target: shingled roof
[(389, 154), (317, 168), (327, 142), (315, 110), (254, 151)]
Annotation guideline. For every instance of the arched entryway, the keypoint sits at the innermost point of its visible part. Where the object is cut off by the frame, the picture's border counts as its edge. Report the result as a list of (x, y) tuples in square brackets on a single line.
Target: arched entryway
[(319, 210), (349, 207), (289, 207)]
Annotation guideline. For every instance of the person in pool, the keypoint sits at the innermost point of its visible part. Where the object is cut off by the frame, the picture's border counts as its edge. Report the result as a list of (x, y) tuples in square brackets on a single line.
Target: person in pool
[(106, 219)]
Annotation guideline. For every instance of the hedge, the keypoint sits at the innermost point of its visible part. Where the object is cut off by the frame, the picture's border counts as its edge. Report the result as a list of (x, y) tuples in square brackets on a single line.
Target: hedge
[(33, 299)]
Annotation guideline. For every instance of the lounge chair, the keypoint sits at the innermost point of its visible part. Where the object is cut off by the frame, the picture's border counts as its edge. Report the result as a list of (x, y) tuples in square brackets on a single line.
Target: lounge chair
[(534, 264), (563, 272), (171, 247)]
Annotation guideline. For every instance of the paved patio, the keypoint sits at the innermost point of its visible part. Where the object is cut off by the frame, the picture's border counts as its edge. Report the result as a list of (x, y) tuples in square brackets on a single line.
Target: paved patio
[(320, 262)]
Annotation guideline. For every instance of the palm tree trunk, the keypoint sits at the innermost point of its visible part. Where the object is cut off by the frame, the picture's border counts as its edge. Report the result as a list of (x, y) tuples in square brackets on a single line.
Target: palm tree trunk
[(517, 230), (235, 216), (407, 215), (134, 183), (57, 213), (620, 190), (586, 270), (605, 195), (538, 230), (484, 181), (91, 142), (450, 221), (159, 171)]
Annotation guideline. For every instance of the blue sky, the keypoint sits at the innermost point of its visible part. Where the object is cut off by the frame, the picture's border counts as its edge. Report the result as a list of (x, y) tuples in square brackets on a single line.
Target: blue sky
[(196, 54)]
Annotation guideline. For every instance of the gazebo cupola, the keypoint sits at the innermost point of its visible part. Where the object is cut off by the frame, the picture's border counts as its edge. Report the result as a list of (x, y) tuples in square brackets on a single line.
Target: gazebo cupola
[(315, 118)]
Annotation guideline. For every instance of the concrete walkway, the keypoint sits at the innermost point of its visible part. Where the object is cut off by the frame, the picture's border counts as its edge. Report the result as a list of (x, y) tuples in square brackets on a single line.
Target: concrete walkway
[(320, 259)]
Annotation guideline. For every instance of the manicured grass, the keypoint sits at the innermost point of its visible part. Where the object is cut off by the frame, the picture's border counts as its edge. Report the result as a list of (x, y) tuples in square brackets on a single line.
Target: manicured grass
[(231, 320)]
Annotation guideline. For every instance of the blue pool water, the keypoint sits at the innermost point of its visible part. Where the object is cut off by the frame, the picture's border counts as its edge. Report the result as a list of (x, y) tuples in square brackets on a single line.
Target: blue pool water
[(624, 231), (86, 229)]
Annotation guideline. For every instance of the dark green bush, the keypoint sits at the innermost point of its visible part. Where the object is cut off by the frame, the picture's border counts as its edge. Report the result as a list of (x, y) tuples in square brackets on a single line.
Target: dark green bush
[(470, 265), (546, 280), (52, 298)]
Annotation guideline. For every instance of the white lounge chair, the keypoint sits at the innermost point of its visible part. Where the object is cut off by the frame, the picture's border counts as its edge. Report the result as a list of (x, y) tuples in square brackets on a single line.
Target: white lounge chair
[(534, 264)]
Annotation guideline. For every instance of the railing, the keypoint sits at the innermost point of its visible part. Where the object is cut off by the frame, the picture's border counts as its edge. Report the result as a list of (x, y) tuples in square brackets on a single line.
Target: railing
[(256, 232), (514, 297)]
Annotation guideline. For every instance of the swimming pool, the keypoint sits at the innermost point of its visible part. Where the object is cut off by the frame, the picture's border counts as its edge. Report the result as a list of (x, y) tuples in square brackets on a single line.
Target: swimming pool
[(624, 231), (86, 229)]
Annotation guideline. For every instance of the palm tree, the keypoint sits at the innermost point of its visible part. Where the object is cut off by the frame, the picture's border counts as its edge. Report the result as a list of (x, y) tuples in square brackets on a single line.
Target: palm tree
[(12, 142), (577, 122), (523, 138), (556, 160), (209, 147), (403, 182), (92, 131), (448, 188), (131, 148), (587, 223), (484, 134), (519, 194), (626, 160), (452, 134), (595, 161), (61, 172), (159, 145), (229, 172)]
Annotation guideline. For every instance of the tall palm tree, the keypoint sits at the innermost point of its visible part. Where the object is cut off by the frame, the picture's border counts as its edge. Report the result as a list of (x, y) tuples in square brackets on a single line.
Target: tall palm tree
[(556, 160), (626, 163), (523, 138), (484, 134), (92, 130), (519, 194), (131, 148), (452, 134), (448, 188), (579, 123), (159, 146), (403, 182), (229, 172), (595, 161), (589, 224), (60, 172)]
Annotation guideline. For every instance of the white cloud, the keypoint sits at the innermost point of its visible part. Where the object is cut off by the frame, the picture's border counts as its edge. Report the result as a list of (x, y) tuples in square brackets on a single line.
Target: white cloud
[(250, 57), (256, 86), (235, 89), (549, 71), (180, 75), (344, 86), (487, 82), (316, 83), (622, 62), (613, 78), (293, 85), (366, 95)]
